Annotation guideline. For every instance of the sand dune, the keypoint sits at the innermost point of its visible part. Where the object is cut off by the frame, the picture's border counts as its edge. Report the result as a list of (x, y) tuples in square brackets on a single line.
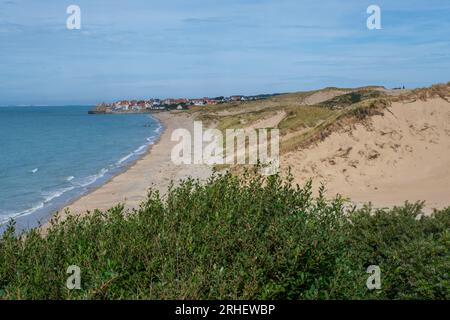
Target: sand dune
[(402, 155), (323, 95), (270, 122)]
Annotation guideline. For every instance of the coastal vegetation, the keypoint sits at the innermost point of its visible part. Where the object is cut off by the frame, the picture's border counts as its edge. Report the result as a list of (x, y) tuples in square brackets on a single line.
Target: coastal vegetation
[(302, 118), (246, 236), (233, 237), (311, 116)]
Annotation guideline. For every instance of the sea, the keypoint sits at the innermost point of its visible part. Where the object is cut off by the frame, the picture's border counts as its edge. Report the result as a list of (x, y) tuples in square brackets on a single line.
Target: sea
[(50, 156)]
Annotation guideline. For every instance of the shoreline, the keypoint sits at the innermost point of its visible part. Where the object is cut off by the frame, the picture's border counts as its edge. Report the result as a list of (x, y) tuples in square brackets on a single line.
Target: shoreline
[(40, 214), (100, 185), (153, 169)]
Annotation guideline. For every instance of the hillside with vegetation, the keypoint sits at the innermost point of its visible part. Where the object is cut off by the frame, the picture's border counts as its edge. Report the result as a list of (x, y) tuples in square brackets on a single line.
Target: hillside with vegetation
[(311, 114), (248, 237), (306, 115), (370, 144)]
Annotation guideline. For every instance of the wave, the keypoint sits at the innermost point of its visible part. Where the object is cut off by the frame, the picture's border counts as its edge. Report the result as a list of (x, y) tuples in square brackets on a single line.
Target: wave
[(91, 179), (140, 149), (55, 194), (158, 129), (128, 156), (48, 197), (7, 217), (83, 183)]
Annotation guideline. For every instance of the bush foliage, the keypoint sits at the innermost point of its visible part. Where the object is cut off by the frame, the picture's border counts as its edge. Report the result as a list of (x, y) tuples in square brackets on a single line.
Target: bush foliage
[(247, 237)]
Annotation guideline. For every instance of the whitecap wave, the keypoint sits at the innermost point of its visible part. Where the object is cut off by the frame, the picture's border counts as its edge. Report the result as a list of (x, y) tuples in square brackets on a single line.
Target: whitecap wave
[(77, 183), (48, 197), (158, 129), (91, 179), (125, 158), (5, 218), (55, 194), (140, 149)]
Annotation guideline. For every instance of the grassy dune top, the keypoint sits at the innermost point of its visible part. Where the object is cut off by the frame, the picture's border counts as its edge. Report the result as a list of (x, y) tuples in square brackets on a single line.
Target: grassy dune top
[(308, 116)]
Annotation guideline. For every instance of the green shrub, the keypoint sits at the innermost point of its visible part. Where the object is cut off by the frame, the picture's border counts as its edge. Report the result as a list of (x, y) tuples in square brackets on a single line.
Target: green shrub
[(233, 238), (348, 99)]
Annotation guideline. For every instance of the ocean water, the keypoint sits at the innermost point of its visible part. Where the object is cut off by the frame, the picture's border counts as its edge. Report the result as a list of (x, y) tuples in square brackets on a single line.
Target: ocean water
[(52, 155)]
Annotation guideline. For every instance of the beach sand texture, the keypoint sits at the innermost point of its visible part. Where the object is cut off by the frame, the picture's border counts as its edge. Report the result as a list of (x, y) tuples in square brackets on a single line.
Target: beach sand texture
[(402, 155)]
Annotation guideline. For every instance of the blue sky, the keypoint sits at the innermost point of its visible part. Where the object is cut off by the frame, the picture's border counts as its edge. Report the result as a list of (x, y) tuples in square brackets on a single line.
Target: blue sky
[(142, 49)]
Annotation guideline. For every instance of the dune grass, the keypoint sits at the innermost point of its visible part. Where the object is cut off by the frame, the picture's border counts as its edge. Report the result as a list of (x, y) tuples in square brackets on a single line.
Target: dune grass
[(348, 99), (303, 124), (440, 90), (319, 125), (248, 237)]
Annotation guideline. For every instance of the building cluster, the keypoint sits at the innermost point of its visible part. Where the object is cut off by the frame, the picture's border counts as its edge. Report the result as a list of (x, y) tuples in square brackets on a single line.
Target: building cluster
[(171, 103)]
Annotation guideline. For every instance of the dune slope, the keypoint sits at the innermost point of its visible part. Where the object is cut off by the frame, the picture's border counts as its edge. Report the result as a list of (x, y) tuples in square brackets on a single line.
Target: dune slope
[(401, 155)]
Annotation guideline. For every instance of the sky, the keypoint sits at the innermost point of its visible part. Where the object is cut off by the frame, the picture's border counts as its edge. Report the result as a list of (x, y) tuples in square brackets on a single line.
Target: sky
[(176, 48)]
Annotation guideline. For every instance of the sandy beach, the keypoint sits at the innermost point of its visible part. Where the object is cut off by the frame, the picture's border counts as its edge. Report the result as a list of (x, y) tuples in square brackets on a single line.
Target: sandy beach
[(155, 169)]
